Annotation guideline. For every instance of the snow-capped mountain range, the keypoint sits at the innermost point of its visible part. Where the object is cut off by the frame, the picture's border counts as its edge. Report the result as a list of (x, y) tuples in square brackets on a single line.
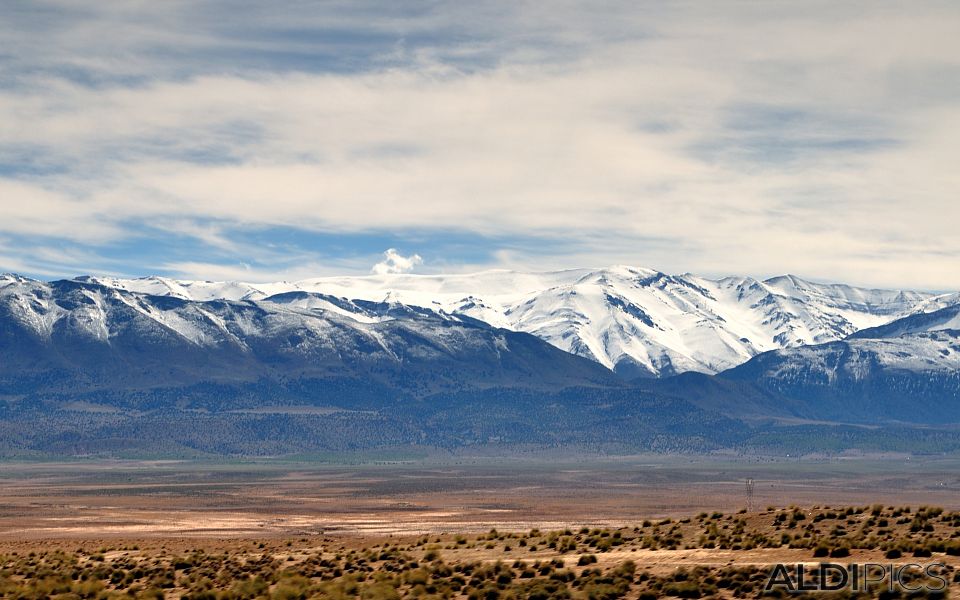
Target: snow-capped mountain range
[(102, 365), (100, 337), (907, 370), (636, 321)]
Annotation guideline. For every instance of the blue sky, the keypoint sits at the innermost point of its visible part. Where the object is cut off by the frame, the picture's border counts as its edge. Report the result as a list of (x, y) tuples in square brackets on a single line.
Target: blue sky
[(284, 140)]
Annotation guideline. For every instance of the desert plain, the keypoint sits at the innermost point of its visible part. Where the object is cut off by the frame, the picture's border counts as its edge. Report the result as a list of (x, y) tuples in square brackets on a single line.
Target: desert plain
[(474, 527)]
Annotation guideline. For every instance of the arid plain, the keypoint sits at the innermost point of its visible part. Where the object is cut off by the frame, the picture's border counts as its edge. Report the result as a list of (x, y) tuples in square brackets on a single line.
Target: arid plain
[(448, 495), (458, 527)]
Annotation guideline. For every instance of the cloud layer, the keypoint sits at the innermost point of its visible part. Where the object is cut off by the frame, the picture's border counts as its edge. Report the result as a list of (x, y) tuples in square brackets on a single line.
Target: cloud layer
[(720, 138)]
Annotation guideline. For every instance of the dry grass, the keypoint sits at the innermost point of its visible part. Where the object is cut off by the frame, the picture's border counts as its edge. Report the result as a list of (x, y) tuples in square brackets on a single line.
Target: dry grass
[(709, 554)]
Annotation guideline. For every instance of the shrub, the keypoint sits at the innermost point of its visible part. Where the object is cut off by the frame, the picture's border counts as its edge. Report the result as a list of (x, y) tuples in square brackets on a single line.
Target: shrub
[(684, 589)]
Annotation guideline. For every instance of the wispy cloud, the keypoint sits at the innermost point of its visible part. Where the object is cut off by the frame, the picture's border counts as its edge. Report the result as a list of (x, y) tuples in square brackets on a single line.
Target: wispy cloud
[(728, 137)]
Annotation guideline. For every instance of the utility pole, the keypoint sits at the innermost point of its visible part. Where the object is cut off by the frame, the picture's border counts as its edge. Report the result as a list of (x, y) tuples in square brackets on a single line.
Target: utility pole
[(749, 494)]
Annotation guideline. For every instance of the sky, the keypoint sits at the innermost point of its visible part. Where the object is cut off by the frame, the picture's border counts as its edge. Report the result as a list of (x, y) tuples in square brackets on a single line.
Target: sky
[(260, 141)]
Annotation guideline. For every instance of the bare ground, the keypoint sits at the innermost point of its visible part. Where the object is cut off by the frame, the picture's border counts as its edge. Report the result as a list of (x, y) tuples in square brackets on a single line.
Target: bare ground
[(255, 500)]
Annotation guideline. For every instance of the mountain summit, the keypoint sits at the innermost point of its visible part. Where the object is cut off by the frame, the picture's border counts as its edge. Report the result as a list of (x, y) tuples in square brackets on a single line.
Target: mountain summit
[(156, 366), (638, 322)]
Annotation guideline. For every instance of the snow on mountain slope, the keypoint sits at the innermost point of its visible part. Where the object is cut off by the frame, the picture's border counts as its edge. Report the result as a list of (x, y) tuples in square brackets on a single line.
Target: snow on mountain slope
[(91, 309), (946, 319), (907, 370), (639, 322), (856, 358), (70, 333), (186, 290)]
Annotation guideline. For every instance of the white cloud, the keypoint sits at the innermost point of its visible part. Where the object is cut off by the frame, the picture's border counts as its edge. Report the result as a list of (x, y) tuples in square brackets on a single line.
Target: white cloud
[(393, 263)]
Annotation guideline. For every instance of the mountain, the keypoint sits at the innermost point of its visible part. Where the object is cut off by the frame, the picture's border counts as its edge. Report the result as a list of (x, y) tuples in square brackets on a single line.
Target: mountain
[(907, 370), (90, 369), (638, 322), (92, 366), (76, 335), (946, 319)]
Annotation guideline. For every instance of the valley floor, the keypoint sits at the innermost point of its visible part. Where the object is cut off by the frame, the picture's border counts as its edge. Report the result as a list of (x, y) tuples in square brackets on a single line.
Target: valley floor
[(263, 499)]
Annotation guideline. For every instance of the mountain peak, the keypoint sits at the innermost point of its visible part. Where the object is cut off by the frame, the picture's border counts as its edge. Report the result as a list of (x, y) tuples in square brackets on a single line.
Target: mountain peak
[(14, 277), (788, 279), (636, 319), (944, 319)]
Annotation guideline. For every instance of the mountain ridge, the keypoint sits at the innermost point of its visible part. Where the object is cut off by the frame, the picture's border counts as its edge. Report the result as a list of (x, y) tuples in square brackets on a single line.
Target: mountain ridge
[(907, 370), (639, 322), (84, 327), (86, 367)]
